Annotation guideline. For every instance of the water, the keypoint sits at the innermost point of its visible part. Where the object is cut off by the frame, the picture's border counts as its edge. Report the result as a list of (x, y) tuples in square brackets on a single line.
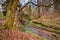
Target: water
[(41, 33)]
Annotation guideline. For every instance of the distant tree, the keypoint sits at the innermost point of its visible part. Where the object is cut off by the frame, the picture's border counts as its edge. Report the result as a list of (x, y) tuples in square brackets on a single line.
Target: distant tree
[(4, 7), (38, 3), (57, 5)]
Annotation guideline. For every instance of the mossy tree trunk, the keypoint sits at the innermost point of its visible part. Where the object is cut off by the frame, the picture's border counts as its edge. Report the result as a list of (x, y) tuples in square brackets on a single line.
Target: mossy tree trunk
[(10, 12)]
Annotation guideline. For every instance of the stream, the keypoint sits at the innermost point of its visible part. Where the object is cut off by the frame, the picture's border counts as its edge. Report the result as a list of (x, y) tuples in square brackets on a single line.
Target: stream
[(43, 33)]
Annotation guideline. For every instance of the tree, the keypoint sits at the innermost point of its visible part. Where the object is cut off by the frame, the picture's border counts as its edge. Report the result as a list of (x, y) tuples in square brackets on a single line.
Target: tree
[(10, 12), (57, 5), (4, 7), (38, 3)]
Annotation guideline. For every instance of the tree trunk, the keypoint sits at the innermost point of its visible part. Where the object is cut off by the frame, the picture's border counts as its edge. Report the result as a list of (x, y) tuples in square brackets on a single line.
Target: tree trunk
[(30, 10), (38, 3), (10, 12), (16, 18)]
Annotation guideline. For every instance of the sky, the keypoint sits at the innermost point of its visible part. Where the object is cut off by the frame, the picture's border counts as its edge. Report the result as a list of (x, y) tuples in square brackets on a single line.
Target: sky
[(22, 1)]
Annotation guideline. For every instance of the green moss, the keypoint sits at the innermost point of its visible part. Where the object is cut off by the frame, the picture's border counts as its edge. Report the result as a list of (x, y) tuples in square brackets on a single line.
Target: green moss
[(30, 22), (2, 28), (29, 32), (1, 15), (44, 39), (22, 28), (44, 27)]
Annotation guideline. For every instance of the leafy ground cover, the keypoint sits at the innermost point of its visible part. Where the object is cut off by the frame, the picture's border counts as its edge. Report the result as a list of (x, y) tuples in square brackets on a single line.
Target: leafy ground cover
[(16, 35)]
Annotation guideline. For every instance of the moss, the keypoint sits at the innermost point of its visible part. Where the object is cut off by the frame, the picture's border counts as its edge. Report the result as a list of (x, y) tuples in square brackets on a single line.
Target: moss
[(44, 27), (22, 28), (29, 32), (44, 39), (2, 28), (2, 15)]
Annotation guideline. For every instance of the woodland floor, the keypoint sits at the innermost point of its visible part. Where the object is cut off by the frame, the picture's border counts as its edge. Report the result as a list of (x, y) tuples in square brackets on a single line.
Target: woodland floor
[(44, 32), (47, 27)]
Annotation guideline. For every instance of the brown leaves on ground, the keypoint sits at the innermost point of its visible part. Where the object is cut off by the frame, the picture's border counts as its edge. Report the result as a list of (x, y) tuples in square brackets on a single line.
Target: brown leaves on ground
[(14, 35)]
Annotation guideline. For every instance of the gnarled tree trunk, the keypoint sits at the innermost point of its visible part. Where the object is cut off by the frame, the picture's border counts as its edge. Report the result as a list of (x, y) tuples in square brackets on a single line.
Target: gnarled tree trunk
[(10, 12)]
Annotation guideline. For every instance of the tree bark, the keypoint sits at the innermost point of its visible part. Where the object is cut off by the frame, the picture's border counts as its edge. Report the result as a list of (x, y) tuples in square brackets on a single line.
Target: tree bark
[(10, 12), (38, 3)]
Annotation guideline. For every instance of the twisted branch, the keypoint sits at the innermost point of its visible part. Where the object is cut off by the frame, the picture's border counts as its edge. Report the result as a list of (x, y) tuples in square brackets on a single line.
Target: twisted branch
[(36, 5)]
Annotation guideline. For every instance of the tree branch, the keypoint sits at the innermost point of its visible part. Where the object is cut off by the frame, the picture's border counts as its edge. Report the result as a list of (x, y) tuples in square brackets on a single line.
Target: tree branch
[(36, 5)]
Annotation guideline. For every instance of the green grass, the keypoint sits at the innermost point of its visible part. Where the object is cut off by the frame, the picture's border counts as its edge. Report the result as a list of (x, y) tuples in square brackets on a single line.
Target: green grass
[(1, 15)]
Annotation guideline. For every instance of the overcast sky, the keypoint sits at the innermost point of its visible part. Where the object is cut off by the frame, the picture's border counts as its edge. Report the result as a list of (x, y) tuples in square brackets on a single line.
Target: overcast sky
[(25, 1)]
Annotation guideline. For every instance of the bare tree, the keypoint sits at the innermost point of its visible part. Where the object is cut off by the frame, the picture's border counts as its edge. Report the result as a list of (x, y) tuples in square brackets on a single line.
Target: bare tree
[(38, 3)]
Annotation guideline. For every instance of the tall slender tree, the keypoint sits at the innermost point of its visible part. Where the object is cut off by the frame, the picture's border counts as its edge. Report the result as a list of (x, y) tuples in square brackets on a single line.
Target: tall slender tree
[(38, 3), (30, 10)]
